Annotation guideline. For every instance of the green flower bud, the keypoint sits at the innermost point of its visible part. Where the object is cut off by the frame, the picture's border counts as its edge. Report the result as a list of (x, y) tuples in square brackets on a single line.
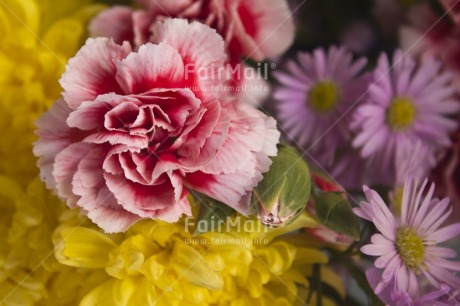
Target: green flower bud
[(284, 191)]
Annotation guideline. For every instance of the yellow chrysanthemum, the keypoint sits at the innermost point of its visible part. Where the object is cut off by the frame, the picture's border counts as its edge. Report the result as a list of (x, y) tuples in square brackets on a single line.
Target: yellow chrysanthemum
[(29, 272), (157, 263), (36, 39)]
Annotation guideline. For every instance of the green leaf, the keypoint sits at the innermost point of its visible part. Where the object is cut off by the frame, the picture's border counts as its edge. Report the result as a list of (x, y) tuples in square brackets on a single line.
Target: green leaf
[(210, 213), (334, 211)]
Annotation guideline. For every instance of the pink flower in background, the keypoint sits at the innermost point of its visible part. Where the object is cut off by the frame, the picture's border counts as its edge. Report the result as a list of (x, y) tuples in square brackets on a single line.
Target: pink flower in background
[(252, 29), (359, 37), (256, 29), (315, 98), (389, 14), (134, 133), (427, 37), (430, 36), (452, 7), (447, 175), (406, 103), (122, 23), (408, 247)]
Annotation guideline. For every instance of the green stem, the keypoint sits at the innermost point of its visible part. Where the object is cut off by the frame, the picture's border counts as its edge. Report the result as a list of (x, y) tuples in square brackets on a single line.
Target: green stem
[(350, 250), (359, 276), (316, 286), (319, 289)]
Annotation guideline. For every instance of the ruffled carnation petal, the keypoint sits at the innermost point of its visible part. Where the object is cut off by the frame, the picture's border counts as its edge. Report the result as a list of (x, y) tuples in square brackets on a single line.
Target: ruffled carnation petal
[(250, 132), (91, 115), (54, 136), (201, 49), (152, 201), (153, 66), (232, 174), (65, 165), (206, 139), (95, 198), (112, 220), (92, 71)]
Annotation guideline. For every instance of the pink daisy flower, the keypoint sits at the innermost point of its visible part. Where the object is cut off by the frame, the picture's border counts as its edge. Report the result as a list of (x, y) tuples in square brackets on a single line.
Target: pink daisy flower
[(444, 296), (406, 103), (407, 247), (411, 158), (314, 93)]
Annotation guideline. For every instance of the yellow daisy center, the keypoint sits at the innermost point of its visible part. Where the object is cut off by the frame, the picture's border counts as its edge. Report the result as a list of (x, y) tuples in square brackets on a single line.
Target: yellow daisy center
[(401, 114), (323, 97), (410, 248)]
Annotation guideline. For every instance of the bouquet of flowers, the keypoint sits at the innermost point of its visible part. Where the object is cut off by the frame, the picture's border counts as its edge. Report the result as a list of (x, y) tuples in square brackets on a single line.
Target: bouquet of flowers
[(230, 152)]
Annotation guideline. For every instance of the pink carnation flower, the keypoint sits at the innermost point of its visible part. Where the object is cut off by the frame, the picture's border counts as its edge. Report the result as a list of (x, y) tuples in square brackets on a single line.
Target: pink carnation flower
[(255, 29), (134, 133)]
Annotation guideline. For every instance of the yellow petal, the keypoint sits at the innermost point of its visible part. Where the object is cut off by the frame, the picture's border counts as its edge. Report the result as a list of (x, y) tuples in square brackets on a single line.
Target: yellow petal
[(187, 262), (83, 247), (9, 189), (10, 295), (144, 295), (123, 290), (271, 258), (63, 37), (116, 265), (193, 294), (282, 302), (152, 269), (24, 12), (101, 295), (254, 284), (310, 256)]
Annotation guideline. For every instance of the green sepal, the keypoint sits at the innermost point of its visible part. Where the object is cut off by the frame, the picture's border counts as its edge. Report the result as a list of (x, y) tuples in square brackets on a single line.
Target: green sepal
[(211, 211)]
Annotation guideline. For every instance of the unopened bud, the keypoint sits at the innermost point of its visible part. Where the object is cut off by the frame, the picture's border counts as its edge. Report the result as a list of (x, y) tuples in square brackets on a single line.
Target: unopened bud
[(325, 184), (284, 191)]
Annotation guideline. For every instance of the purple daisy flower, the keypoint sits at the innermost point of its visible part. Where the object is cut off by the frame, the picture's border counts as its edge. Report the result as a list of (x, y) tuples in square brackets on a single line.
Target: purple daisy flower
[(314, 92), (407, 247), (444, 296), (405, 103), (413, 158), (348, 169)]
